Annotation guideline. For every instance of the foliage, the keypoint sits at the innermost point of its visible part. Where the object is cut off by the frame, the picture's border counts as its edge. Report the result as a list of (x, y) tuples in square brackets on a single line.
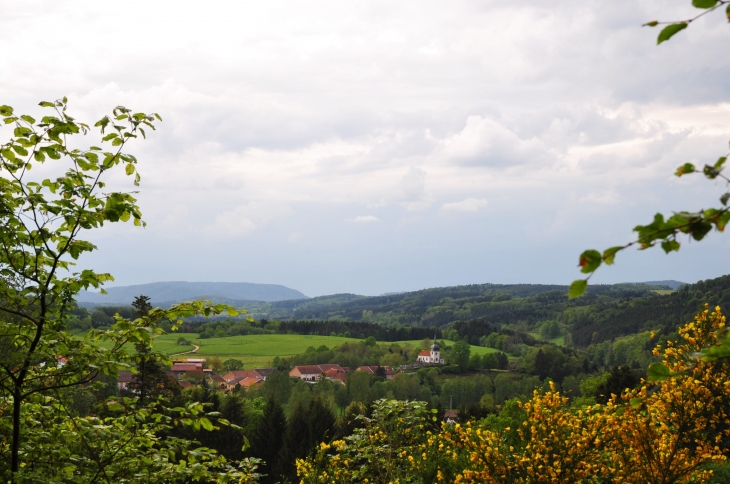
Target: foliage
[(232, 365), (658, 434), (46, 435)]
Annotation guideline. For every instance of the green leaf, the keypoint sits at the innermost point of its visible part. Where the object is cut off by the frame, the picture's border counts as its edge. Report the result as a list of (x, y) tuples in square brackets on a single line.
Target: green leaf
[(670, 246), (577, 288), (46, 104), (109, 136), (115, 407), (685, 169), (39, 156), (27, 119), (7, 154), (704, 3), (610, 254), (725, 198), (6, 110), (669, 31), (658, 372), (636, 402), (720, 161), (129, 169), (589, 261), (20, 150)]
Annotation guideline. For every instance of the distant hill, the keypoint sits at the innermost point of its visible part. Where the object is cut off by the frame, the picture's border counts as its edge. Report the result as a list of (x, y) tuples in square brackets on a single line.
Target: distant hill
[(498, 304), (670, 283), (166, 293)]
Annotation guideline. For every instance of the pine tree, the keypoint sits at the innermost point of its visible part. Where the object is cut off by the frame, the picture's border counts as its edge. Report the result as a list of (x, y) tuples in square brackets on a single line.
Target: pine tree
[(297, 443), (321, 422), (268, 438)]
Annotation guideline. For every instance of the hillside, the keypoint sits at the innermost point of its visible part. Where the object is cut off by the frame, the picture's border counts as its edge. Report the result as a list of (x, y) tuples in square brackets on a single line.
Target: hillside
[(164, 294), (499, 304)]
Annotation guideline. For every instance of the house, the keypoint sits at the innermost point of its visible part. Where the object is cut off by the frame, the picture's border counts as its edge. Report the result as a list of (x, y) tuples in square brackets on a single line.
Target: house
[(217, 380), (264, 372), (432, 357), (124, 379), (312, 373), (336, 374), (451, 416), (244, 381), (179, 369), (258, 372), (372, 370)]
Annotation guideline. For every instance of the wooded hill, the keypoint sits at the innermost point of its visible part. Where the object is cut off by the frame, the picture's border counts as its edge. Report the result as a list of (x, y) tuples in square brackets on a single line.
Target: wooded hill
[(605, 312)]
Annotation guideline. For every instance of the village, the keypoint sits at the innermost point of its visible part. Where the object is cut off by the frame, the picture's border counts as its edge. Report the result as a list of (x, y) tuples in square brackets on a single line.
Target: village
[(189, 371)]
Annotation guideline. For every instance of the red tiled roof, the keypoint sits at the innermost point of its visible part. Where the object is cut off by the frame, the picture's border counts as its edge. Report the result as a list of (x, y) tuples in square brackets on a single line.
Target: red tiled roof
[(240, 374), (309, 369), (248, 381), (184, 367), (217, 378), (424, 353), (373, 369)]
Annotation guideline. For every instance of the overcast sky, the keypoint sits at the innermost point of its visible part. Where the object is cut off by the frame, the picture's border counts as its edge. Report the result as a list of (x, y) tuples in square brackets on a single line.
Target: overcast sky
[(382, 146)]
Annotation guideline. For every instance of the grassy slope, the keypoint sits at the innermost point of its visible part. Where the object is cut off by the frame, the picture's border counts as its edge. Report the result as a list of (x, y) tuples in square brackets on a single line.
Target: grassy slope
[(258, 350), (478, 350), (255, 351)]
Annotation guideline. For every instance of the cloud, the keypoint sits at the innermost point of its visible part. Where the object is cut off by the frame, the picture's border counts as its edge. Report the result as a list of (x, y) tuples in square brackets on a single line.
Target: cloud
[(276, 126), (246, 218), (467, 205), (364, 219)]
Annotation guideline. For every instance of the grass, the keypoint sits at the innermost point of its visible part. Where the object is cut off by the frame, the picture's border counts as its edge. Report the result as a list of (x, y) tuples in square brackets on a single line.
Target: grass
[(475, 350), (258, 350), (664, 292), (255, 350), (560, 340)]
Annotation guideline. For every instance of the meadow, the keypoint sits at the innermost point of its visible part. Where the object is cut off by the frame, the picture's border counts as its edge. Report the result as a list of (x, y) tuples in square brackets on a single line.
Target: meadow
[(258, 350), (475, 350)]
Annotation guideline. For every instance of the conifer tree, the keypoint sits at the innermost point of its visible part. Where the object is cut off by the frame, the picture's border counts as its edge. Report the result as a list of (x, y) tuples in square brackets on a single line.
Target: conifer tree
[(321, 422), (297, 442), (267, 439)]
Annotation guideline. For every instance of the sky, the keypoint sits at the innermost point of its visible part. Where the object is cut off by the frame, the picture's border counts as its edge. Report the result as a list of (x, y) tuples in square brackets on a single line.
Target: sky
[(378, 146)]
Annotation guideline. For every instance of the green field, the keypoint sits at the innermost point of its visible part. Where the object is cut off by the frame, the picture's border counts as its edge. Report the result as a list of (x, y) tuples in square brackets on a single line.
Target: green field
[(255, 351), (475, 350)]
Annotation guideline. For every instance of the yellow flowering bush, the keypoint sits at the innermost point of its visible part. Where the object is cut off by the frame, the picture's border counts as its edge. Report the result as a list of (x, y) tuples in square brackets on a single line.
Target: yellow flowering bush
[(659, 433)]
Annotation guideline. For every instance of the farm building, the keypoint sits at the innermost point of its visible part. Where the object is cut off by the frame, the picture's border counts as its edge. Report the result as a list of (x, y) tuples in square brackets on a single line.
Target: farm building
[(312, 373), (256, 373), (373, 370)]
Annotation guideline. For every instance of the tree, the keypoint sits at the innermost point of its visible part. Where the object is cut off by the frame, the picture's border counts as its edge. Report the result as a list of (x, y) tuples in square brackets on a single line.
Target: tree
[(460, 354), (42, 219), (619, 379), (297, 442), (232, 365), (268, 437), (358, 384), (141, 305)]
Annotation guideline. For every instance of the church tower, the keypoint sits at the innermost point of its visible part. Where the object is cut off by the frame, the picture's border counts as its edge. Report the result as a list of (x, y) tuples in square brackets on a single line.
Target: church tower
[(435, 352)]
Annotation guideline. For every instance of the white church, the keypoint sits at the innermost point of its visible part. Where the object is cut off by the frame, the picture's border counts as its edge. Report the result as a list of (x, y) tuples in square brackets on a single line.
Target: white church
[(432, 357)]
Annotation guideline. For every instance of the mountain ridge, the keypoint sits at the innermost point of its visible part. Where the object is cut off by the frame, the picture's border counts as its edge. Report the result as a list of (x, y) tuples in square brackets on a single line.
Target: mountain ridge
[(170, 292)]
